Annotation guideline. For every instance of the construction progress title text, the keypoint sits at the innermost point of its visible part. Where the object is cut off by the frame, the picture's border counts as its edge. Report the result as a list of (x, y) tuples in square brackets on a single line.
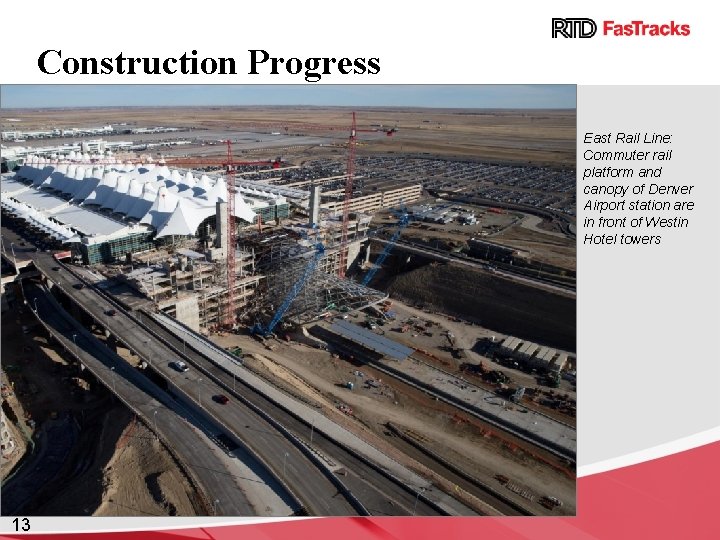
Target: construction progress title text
[(260, 62)]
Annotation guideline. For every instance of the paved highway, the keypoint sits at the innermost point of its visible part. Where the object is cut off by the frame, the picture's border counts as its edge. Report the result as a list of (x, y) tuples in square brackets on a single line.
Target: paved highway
[(147, 400), (378, 493), (286, 462)]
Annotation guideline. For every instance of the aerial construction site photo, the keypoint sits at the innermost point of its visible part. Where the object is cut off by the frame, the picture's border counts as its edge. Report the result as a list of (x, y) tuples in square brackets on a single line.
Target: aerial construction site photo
[(288, 300)]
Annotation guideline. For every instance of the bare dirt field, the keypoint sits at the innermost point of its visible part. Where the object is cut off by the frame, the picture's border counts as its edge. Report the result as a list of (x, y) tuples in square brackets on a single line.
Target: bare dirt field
[(539, 137), (544, 246), (115, 466), (318, 377)]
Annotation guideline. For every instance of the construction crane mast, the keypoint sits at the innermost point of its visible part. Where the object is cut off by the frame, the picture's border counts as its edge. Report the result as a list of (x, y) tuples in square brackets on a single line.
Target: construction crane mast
[(230, 167), (229, 319), (352, 144), (349, 180)]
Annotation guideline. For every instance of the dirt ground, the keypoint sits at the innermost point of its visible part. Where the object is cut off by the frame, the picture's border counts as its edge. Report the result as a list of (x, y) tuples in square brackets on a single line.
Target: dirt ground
[(319, 378), (116, 468), (544, 246), (142, 479), (545, 137), (465, 338)]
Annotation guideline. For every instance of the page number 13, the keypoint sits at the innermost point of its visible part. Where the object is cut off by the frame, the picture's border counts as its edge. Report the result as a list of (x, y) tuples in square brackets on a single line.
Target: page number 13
[(21, 524)]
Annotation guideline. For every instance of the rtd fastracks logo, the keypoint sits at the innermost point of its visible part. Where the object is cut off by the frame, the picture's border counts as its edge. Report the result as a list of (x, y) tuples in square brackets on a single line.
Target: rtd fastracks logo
[(587, 28)]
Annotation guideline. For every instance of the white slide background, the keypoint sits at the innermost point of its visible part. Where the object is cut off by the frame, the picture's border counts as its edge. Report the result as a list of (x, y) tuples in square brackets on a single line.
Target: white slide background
[(648, 315), (647, 318)]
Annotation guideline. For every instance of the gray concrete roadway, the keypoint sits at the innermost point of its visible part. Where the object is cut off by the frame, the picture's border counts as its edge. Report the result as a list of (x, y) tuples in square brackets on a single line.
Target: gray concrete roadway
[(170, 420), (285, 461)]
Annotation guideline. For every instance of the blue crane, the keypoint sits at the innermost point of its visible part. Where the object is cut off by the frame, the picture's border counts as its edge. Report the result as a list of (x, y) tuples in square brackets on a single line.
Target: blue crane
[(404, 220), (292, 294), (402, 223)]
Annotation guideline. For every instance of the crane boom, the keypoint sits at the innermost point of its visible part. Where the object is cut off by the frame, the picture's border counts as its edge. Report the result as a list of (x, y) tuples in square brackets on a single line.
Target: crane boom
[(404, 220)]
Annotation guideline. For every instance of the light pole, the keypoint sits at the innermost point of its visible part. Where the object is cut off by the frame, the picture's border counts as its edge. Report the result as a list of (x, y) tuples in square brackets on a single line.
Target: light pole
[(155, 423), (215, 505), (199, 381), (416, 500), (35, 302), (284, 463), (77, 351), (312, 430), (112, 376), (233, 381)]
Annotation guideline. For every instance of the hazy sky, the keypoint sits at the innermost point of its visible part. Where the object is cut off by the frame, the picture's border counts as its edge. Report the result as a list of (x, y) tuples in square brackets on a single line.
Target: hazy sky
[(463, 96)]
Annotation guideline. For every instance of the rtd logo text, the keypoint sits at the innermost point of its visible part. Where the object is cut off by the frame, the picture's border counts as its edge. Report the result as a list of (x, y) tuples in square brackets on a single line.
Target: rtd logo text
[(587, 28), (573, 28)]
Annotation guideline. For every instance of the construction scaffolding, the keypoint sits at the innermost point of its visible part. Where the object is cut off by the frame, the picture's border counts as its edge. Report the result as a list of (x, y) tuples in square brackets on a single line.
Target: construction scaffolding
[(324, 293)]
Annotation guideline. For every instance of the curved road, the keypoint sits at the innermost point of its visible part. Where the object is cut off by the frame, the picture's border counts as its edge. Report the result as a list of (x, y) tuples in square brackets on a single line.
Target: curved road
[(145, 398), (378, 493), (280, 456)]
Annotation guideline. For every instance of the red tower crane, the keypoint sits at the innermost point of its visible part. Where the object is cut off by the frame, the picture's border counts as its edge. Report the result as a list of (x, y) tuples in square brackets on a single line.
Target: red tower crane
[(230, 167), (350, 174), (229, 318), (352, 145)]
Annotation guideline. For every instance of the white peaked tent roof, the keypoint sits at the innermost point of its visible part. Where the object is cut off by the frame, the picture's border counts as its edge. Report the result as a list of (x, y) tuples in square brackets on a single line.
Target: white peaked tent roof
[(104, 188), (144, 203), (135, 190), (185, 192), (39, 175), (145, 177), (190, 213), (183, 221), (123, 183), (175, 176), (92, 180), (38, 220), (151, 196), (218, 191), (204, 183), (243, 210), (53, 181), (72, 183), (162, 172), (162, 208), (56, 179)]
